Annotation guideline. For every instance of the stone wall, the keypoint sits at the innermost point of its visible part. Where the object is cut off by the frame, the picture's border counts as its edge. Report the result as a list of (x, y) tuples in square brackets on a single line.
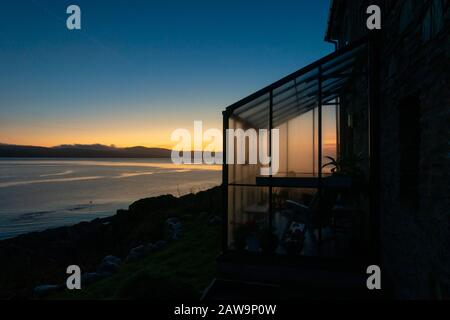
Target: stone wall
[(415, 63)]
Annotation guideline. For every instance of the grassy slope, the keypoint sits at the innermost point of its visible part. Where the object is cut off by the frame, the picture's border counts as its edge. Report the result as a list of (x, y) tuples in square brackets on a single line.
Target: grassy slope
[(188, 263)]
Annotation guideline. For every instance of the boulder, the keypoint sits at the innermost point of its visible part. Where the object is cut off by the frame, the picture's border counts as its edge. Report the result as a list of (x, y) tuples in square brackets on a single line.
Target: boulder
[(175, 232), (175, 228), (214, 220), (136, 253), (91, 277), (46, 289), (112, 259), (160, 244), (109, 264)]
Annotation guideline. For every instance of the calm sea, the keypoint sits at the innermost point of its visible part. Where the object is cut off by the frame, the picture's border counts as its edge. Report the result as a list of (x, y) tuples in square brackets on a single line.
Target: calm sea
[(37, 194)]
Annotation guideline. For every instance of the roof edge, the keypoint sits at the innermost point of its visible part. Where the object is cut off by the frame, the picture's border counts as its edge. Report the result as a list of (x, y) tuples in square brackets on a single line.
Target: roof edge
[(331, 12), (292, 76)]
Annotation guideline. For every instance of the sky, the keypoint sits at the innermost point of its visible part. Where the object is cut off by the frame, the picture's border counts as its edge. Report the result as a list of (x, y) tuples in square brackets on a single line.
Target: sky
[(137, 70)]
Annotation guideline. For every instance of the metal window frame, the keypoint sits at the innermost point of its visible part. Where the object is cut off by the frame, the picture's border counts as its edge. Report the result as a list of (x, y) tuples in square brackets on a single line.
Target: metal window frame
[(371, 42)]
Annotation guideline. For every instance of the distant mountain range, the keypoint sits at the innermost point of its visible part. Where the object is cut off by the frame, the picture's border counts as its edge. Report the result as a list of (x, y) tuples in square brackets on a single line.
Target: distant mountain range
[(81, 151)]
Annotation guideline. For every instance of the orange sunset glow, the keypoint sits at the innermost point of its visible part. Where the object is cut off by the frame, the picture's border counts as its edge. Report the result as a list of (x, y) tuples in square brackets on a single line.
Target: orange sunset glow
[(148, 133)]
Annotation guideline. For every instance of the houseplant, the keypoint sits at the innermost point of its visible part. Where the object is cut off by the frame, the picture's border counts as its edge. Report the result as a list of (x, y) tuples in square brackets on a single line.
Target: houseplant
[(350, 166)]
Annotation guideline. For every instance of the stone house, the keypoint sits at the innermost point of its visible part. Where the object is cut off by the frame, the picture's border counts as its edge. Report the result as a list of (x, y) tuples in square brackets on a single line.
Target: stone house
[(414, 137), (378, 108)]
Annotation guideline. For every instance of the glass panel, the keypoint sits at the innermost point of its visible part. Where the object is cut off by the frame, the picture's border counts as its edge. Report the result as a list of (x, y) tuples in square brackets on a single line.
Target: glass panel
[(343, 59), (248, 213), (307, 224), (245, 143), (294, 98), (292, 221), (329, 136), (302, 220), (297, 146)]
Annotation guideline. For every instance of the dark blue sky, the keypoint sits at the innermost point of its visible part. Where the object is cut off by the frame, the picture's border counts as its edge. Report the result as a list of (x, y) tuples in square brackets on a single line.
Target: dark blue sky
[(139, 69)]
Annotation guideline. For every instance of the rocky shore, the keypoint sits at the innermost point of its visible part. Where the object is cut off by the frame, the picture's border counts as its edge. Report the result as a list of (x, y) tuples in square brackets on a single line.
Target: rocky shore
[(34, 264)]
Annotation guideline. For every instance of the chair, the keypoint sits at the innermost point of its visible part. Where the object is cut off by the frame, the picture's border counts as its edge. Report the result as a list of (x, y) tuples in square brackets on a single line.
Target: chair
[(317, 215), (301, 214)]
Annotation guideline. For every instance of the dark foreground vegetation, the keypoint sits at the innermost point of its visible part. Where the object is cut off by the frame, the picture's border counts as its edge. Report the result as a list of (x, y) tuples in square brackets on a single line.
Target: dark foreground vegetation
[(178, 265)]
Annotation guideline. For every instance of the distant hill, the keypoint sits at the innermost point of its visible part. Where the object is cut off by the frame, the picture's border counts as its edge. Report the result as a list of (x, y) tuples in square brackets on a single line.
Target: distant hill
[(81, 151)]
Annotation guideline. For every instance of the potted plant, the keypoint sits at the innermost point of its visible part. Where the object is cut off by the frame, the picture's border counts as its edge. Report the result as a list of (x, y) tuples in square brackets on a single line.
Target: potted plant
[(350, 167)]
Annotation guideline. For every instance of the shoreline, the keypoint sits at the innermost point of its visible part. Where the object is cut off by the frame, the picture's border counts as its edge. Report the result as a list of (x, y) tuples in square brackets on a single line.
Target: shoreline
[(41, 194), (38, 257)]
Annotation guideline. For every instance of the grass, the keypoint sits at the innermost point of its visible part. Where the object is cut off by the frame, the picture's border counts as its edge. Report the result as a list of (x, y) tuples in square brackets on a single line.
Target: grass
[(182, 269)]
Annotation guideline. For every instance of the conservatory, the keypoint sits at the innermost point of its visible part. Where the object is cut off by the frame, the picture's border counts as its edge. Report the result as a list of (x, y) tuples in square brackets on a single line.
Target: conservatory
[(319, 203)]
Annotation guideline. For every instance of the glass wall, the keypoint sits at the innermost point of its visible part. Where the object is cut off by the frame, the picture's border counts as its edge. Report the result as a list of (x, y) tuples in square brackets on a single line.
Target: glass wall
[(248, 212), (301, 209), (248, 204), (249, 119)]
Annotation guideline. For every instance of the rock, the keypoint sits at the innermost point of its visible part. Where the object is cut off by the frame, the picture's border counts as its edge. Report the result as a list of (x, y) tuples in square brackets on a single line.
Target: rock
[(175, 231), (214, 220), (175, 227), (108, 267), (132, 257), (136, 253), (91, 277), (112, 259), (46, 289), (109, 264), (139, 250), (160, 244)]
